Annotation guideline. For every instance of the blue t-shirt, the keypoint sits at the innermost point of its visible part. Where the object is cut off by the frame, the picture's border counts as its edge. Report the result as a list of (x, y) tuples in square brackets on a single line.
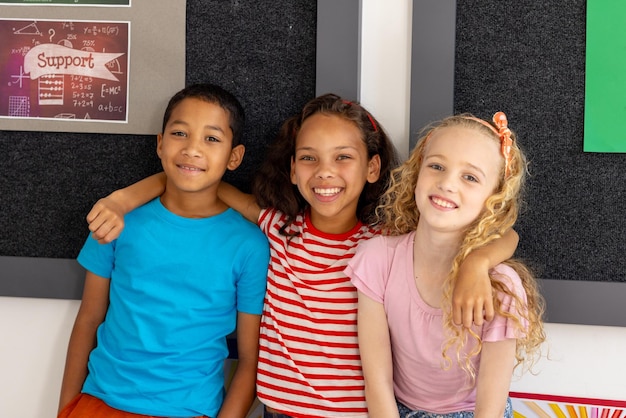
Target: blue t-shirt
[(176, 285)]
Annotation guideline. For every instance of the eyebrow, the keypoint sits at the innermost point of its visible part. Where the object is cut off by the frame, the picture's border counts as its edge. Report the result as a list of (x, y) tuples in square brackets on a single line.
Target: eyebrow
[(339, 148), (212, 127)]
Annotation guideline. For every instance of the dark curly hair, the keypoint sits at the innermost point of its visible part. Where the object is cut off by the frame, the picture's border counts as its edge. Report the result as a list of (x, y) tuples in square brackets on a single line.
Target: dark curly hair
[(272, 185)]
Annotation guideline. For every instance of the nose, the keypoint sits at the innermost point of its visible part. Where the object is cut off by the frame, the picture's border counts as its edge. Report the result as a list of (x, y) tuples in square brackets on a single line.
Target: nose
[(324, 170), (192, 146), (447, 182)]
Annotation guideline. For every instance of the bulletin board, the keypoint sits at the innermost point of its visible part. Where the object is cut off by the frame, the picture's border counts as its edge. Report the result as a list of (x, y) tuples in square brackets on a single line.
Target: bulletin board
[(605, 77), (274, 56), (528, 60), (86, 68)]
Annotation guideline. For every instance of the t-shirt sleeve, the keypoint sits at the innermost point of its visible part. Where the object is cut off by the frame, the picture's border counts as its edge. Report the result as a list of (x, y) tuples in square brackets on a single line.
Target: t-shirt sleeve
[(500, 327), (252, 279), (368, 269), (266, 218), (97, 258)]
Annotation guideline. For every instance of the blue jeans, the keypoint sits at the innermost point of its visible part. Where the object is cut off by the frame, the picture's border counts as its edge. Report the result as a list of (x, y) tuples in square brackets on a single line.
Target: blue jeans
[(268, 414), (407, 413)]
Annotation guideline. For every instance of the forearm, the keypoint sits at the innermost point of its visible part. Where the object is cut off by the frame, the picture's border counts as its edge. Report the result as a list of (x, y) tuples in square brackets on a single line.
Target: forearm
[(496, 251), (494, 378), (139, 193), (376, 358), (82, 341), (73, 381), (381, 402), (491, 405), (241, 392), (242, 202)]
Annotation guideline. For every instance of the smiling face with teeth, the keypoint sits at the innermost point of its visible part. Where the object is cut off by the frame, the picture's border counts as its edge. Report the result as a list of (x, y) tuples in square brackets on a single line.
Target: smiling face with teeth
[(330, 169), (460, 170), (195, 149)]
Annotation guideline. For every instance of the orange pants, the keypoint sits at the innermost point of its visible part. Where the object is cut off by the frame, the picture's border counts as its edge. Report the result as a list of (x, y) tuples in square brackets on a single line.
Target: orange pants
[(87, 406)]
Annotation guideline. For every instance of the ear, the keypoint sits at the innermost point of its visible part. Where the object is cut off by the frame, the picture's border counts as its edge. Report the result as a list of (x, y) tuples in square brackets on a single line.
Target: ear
[(293, 171), (373, 169), (159, 145), (236, 157)]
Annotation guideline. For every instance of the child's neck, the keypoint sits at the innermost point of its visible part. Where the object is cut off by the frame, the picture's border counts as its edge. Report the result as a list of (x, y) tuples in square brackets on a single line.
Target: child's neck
[(433, 254), (439, 247), (192, 205), (335, 226)]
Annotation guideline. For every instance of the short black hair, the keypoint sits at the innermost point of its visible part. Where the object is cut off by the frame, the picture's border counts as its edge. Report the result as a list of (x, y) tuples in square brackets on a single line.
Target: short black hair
[(213, 94)]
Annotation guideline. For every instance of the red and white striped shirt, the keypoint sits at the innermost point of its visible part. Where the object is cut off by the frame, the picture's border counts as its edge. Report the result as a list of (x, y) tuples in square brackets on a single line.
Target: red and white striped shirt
[(309, 364)]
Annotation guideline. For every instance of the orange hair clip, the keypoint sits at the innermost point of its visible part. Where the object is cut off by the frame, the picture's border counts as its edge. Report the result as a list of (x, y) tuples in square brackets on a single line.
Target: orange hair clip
[(504, 133), (506, 142)]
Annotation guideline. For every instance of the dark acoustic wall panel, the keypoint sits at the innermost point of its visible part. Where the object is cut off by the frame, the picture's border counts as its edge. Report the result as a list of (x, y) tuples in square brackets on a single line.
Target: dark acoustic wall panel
[(528, 59)]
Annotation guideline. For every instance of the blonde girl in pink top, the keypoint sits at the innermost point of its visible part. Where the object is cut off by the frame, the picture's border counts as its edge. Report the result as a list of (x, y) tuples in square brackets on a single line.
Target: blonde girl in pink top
[(459, 191)]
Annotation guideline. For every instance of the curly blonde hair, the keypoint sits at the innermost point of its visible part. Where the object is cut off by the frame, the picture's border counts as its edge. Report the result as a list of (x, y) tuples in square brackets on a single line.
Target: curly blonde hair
[(397, 214)]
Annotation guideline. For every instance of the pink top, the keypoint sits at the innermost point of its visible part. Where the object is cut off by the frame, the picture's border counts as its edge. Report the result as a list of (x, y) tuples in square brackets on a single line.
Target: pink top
[(382, 269)]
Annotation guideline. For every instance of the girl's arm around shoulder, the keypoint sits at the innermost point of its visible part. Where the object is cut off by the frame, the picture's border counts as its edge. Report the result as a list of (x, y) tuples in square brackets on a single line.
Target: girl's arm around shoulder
[(508, 275), (106, 218), (472, 296), (375, 349), (242, 202), (241, 392), (497, 360), (511, 321), (91, 313)]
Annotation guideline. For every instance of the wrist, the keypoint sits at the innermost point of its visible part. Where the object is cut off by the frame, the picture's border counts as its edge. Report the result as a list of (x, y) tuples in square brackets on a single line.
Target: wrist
[(118, 198), (478, 260)]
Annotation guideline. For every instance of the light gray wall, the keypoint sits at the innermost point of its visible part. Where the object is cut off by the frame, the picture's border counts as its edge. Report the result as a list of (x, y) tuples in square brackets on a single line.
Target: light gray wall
[(338, 48), (432, 63)]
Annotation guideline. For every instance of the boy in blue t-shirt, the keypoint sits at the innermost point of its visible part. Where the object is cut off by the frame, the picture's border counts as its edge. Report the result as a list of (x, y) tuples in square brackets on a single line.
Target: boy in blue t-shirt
[(158, 302)]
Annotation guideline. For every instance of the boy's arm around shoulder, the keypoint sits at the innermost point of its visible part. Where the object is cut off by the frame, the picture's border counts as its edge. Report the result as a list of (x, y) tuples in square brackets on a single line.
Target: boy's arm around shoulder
[(472, 298), (241, 392), (91, 313)]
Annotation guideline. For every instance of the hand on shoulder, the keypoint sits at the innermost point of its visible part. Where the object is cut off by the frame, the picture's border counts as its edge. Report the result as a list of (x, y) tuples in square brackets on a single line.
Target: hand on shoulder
[(106, 220)]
